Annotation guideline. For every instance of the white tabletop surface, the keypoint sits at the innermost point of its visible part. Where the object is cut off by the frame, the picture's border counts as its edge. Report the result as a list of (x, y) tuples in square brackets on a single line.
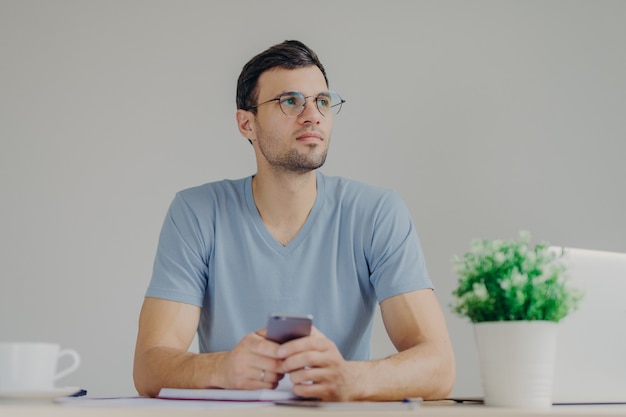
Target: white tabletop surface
[(156, 408)]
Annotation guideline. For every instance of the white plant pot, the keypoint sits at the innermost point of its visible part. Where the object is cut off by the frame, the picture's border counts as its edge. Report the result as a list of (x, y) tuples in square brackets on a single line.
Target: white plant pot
[(516, 360)]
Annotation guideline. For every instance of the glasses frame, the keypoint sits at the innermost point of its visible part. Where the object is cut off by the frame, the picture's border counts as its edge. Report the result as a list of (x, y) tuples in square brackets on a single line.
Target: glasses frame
[(297, 93)]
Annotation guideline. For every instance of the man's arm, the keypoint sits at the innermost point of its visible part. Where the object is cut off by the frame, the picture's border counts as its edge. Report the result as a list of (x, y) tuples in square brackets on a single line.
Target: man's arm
[(166, 330), (423, 367)]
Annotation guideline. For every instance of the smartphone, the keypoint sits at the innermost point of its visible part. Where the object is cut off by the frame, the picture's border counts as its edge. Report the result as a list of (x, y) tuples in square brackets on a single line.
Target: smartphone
[(282, 328)]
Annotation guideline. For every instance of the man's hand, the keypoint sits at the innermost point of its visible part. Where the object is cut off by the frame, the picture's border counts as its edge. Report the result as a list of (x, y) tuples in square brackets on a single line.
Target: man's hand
[(317, 368), (251, 364)]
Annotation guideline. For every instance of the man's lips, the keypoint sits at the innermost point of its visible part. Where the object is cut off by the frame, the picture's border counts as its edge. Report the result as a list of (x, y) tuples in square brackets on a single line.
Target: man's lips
[(310, 137)]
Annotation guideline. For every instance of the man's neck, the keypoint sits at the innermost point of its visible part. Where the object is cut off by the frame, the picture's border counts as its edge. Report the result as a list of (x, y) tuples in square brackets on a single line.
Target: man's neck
[(284, 202)]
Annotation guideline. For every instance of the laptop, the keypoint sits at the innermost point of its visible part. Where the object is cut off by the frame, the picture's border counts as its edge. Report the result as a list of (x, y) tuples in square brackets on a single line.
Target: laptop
[(591, 346)]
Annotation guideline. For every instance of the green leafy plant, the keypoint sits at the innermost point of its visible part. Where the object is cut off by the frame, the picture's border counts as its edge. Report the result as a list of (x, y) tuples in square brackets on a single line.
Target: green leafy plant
[(510, 280)]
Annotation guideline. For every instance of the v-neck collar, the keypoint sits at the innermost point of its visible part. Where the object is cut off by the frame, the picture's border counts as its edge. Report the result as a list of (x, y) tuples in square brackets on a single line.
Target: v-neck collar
[(306, 227)]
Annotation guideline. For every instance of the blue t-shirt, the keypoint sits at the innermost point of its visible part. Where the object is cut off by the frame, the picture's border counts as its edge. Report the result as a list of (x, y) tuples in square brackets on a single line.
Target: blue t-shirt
[(358, 246)]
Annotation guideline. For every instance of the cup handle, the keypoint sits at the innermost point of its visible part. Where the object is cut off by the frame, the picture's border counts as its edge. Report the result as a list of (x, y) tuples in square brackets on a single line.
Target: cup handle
[(74, 366)]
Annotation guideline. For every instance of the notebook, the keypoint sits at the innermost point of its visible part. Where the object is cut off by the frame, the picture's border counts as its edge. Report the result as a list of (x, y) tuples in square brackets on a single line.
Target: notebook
[(591, 346), (226, 394), (282, 393)]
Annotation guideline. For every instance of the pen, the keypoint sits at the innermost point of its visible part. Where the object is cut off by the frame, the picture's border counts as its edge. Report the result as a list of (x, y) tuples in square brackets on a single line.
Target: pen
[(80, 393), (412, 402)]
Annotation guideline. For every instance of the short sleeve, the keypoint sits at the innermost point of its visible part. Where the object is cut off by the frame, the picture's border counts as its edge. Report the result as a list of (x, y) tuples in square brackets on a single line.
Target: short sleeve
[(396, 258), (181, 266)]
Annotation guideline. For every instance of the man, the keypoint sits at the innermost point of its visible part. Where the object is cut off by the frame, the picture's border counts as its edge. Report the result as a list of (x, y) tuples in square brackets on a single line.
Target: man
[(290, 239)]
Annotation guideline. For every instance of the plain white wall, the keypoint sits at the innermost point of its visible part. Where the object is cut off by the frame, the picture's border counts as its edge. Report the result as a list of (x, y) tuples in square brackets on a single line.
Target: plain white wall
[(487, 117)]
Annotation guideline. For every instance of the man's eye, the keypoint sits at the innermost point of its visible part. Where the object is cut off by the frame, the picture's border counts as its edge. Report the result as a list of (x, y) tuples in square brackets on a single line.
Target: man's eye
[(323, 102), (290, 101)]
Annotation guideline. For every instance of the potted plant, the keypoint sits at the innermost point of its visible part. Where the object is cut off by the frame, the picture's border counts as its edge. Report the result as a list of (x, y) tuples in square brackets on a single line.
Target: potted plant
[(514, 294)]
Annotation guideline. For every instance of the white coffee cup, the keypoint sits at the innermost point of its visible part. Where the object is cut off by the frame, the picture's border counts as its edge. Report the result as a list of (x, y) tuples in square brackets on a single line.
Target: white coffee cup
[(28, 366)]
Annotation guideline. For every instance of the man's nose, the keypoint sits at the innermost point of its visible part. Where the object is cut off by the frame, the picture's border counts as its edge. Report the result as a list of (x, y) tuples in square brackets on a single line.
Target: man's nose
[(310, 113)]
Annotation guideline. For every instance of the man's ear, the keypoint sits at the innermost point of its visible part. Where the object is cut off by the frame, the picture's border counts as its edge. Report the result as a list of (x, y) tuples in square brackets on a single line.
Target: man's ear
[(245, 124)]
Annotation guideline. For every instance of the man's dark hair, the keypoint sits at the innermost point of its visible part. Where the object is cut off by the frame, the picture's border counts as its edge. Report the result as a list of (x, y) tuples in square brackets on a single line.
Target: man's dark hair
[(286, 55)]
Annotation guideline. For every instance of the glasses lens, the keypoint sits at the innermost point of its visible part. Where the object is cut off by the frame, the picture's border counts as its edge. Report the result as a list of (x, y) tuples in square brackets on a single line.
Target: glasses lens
[(329, 103), (292, 103)]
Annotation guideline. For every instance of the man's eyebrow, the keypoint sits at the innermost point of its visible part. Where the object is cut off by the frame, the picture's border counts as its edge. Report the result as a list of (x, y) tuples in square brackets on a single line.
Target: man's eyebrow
[(280, 93)]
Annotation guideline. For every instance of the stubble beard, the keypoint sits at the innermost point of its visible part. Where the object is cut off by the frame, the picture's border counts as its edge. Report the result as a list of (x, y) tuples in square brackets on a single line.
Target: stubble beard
[(293, 160)]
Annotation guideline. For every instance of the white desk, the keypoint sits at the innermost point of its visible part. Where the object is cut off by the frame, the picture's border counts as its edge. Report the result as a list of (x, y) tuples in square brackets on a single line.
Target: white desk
[(427, 409)]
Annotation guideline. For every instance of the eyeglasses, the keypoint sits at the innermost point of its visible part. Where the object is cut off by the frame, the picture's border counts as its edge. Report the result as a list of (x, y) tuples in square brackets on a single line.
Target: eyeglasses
[(293, 103)]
